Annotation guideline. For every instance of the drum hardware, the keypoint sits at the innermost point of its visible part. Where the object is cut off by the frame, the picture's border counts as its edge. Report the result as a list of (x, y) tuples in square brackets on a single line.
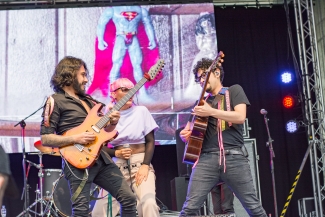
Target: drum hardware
[(61, 197), (39, 192), (52, 192)]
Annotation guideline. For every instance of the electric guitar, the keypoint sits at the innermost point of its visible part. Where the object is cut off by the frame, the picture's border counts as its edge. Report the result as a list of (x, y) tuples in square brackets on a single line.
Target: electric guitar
[(83, 156), (199, 124)]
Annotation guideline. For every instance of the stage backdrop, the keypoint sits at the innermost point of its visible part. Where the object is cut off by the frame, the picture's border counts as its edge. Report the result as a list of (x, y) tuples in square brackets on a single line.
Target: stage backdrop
[(124, 41)]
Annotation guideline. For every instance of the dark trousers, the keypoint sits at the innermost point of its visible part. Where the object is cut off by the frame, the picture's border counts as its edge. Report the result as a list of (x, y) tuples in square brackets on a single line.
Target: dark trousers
[(208, 173), (222, 199), (107, 176)]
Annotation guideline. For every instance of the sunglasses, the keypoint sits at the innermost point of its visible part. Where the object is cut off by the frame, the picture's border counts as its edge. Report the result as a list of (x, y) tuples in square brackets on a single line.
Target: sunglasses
[(123, 89)]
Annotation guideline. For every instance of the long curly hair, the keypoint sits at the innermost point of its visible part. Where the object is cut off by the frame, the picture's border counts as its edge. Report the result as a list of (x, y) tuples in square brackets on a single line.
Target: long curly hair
[(204, 64), (65, 72)]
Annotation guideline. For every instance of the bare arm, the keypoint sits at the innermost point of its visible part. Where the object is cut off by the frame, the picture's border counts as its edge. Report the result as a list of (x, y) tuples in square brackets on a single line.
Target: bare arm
[(103, 20), (146, 19), (186, 132), (237, 116), (54, 140)]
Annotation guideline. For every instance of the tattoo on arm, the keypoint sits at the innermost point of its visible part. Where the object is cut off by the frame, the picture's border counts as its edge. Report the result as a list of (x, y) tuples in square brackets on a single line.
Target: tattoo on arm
[(58, 141)]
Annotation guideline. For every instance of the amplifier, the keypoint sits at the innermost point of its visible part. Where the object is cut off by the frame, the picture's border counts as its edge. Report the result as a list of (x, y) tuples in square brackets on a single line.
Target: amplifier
[(221, 215)]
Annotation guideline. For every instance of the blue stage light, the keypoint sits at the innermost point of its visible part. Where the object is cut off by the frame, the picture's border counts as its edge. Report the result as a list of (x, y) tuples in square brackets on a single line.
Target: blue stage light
[(286, 77), (292, 126)]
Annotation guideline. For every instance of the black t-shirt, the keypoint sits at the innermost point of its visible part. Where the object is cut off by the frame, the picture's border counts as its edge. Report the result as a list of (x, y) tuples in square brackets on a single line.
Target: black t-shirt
[(232, 136)]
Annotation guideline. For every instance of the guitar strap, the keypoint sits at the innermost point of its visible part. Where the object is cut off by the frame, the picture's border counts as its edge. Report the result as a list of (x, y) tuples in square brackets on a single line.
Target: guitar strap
[(221, 125), (49, 106), (222, 95)]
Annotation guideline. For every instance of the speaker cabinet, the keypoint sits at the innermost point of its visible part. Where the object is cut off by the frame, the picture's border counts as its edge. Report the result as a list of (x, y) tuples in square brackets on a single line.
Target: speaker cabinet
[(179, 190), (183, 169), (250, 145), (306, 207)]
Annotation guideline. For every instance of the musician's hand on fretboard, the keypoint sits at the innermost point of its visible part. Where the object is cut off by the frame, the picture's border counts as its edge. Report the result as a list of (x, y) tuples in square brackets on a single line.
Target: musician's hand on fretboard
[(203, 110)]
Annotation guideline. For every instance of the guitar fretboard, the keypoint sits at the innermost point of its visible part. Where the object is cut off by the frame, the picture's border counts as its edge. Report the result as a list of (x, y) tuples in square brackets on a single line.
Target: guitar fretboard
[(103, 121)]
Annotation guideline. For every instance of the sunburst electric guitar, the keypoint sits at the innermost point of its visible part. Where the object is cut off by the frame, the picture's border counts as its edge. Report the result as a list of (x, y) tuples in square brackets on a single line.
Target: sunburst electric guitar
[(83, 156), (199, 124)]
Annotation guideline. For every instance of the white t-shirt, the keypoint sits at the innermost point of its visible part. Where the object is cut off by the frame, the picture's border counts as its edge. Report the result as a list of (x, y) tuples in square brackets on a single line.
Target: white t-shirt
[(134, 124)]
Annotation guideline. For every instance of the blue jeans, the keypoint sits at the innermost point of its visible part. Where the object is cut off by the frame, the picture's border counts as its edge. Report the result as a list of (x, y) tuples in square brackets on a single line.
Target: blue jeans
[(107, 176), (208, 173)]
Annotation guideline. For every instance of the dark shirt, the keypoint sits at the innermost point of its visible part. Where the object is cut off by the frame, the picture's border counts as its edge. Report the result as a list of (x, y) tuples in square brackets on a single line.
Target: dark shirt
[(4, 162), (232, 136), (68, 112)]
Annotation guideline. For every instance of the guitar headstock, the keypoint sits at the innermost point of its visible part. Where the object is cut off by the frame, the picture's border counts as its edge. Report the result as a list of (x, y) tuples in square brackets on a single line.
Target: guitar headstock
[(155, 70), (220, 59)]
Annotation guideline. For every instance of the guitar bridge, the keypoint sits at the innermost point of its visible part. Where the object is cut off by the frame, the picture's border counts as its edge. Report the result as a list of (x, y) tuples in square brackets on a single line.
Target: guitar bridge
[(79, 147)]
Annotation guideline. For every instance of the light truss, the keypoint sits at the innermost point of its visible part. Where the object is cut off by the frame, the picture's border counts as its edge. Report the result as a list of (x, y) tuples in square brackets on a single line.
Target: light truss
[(30, 4), (23, 4), (248, 3), (312, 95)]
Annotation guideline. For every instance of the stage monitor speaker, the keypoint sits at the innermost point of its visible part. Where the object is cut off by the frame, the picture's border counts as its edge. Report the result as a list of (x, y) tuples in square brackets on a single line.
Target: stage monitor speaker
[(250, 145), (183, 169), (221, 215), (306, 207), (179, 190)]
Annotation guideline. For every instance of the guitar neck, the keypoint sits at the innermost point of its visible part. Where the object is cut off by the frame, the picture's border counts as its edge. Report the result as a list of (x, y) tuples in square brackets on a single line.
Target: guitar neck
[(103, 121), (215, 61)]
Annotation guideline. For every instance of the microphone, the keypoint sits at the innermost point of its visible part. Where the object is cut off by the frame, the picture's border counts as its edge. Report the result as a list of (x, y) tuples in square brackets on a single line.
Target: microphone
[(263, 112), (128, 160), (34, 164), (129, 166)]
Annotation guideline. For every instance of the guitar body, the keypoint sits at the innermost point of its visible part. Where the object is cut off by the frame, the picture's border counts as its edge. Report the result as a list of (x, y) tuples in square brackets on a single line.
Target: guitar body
[(83, 156), (193, 146)]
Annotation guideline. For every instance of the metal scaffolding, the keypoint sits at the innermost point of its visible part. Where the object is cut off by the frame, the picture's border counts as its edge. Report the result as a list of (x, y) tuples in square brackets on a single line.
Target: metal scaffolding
[(312, 95), (310, 71)]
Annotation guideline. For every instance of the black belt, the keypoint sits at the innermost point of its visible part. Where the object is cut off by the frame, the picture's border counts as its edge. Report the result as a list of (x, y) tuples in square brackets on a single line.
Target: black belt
[(227, 152), (131, 165)]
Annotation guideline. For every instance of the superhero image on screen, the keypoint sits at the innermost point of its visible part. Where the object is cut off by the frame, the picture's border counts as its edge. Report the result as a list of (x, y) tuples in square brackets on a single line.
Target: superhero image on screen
[(115, 42), (123, 30)]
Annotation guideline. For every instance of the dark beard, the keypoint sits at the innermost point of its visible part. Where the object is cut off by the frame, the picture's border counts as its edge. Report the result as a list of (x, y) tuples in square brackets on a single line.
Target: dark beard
[(77, 87)]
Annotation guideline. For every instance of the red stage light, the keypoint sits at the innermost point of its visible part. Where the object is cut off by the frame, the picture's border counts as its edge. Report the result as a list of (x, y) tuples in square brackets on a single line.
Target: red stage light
[(288, 101)]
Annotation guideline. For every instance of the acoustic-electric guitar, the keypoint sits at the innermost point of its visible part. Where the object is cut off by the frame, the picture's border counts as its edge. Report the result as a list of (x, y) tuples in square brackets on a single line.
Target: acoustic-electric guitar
[(199, 124)]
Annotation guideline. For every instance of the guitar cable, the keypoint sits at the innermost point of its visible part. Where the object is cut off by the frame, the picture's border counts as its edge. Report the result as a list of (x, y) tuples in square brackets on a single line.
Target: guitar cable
[(82, 179)]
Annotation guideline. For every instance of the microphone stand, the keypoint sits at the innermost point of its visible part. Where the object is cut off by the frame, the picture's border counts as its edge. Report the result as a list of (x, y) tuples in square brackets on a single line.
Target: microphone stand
[(272, 155), (25, 193)]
